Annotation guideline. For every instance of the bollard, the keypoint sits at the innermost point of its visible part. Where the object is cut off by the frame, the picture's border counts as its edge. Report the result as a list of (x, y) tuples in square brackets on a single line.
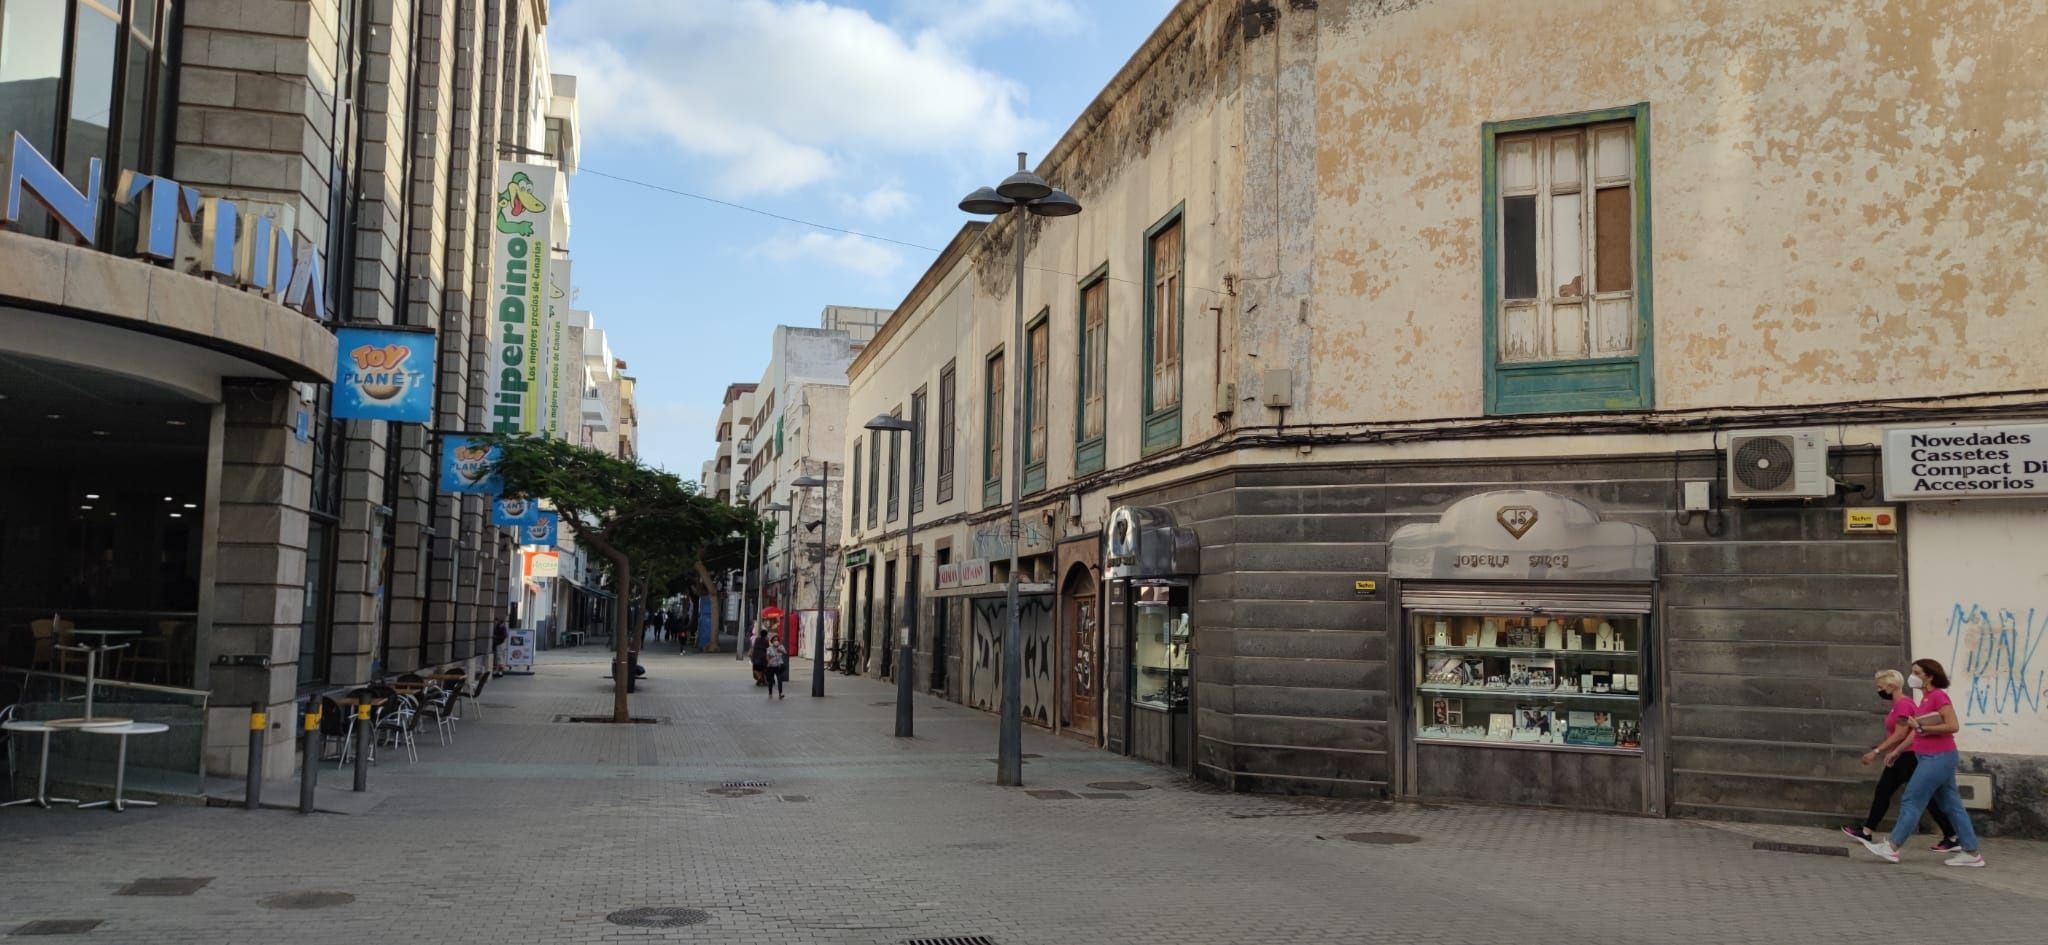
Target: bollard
[(309, 768), (362, 746), (259, 722)]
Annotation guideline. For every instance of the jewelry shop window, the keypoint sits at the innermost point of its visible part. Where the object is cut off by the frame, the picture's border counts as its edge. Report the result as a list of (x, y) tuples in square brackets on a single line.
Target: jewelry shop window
[(1571, 680), (1159, 657)]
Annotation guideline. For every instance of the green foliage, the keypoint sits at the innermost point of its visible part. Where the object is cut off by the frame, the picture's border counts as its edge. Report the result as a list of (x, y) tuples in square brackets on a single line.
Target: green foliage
[(650, 516)]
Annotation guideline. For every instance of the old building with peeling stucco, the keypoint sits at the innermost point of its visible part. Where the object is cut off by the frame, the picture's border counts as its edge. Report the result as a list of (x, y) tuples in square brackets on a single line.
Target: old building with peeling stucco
[(1551, 418)]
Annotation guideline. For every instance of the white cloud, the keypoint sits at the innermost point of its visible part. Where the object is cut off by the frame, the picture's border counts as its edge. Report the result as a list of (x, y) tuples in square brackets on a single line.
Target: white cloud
[(844, 250), (880, 203), (971, 20), (780, 92)]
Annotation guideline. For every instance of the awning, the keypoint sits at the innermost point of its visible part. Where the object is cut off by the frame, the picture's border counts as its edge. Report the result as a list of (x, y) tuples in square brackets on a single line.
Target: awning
[(991, 590)]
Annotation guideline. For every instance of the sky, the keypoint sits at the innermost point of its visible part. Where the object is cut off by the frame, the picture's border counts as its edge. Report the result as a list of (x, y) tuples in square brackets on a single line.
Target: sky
[(875, 116)]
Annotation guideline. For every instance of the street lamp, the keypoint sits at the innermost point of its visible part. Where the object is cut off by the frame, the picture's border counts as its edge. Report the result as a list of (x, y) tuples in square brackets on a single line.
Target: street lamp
[(824, 529), (897, 426), (1028, 192), (761, 573)]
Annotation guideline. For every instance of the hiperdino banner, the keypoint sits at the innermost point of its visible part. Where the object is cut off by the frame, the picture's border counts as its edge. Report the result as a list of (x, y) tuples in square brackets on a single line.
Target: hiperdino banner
[(519, 268), (1966, 462), (556, 336)]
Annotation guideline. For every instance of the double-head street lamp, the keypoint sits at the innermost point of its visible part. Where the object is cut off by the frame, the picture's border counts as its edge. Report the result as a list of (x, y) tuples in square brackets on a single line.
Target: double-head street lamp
[(897, 426), (824, 530), (760, 579), (1030, 193)]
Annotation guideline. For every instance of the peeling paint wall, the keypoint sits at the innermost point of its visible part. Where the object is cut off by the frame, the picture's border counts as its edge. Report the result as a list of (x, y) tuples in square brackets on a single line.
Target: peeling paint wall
[(1846, 194)]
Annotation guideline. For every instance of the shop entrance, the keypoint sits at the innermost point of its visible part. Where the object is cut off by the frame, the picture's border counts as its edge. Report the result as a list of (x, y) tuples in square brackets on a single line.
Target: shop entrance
[(1081, 654)]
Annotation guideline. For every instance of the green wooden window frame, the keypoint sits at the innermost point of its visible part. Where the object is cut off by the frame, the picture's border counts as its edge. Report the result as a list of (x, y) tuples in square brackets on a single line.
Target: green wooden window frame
[(920, 416), (874, 478), (1090, 451), (949, 389), (853, 519), (1034, 411), (895, 504), (1610, 383), (1162, 425), (992, 367)]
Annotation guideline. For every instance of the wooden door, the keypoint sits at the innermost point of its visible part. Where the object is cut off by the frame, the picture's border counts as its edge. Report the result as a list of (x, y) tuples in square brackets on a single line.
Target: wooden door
[(1084, 677)]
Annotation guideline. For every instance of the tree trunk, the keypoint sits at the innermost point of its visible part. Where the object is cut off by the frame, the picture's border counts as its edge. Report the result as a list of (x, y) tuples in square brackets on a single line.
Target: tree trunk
[(707, 586), (622, 664)]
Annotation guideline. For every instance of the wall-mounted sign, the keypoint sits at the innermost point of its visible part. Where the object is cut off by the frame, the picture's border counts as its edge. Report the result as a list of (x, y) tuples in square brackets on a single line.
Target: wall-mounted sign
[(1365, 588), (468, 467), (1875, 521), (254, 252), (974, 572), (384, 374), (544, 564), (949, 575), (553, 381), (521, 231), (1144, 542), (1966, 462), (541, 534), (1522, 535), (517, 512), (856, 557)]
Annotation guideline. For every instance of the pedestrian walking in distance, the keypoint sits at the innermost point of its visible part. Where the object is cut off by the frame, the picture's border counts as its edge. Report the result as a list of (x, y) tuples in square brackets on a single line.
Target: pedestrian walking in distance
[(500, 635), (760, 656), (778, 669), (1898, 733), (1934, 772)]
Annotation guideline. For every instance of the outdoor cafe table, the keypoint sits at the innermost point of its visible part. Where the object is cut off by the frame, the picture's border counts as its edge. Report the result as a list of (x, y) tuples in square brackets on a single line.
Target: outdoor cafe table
[(92, 657), (121, 760)]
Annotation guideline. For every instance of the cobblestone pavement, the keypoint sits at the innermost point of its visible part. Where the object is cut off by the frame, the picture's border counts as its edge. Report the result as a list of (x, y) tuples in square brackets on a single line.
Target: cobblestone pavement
[(529, 830)]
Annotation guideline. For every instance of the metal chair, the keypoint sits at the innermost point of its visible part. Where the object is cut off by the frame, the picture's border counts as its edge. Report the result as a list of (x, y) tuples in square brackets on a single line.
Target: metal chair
[(400, 720), (440, 704), (336, 727), (476, 692), (47, 633)]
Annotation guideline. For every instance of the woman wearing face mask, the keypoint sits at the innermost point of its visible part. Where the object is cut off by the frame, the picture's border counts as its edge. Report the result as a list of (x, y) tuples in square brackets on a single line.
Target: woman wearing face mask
[(1898, 734), (1934, 772)]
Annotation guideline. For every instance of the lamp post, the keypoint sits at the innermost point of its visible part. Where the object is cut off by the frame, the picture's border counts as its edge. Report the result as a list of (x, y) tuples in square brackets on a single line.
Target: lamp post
[(1030, 193), (761, 573), (897, 426), (824, 487)]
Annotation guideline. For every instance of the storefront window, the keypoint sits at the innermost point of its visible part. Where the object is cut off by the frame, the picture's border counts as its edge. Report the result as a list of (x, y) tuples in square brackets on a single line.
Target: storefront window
[(1549, 679), (1159, 657)]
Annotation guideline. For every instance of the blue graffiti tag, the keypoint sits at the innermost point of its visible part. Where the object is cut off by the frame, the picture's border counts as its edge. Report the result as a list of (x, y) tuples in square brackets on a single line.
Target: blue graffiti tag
[(1993, 651)]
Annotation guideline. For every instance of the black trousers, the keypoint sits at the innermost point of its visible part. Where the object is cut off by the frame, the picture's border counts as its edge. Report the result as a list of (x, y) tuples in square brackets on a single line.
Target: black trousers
[(1889, 782), (778, 676)]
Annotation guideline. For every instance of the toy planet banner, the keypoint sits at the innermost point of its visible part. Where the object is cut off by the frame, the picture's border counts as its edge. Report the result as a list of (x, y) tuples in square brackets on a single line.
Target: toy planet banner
[(541, 534), (384, 374), (520, 511), (469, 467)]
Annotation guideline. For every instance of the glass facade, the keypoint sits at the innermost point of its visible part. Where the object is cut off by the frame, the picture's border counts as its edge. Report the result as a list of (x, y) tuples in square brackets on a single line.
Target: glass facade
[(1548, 679)]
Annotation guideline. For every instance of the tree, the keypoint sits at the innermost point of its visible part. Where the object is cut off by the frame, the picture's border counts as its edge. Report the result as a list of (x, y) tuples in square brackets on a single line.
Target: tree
[(628, 513)]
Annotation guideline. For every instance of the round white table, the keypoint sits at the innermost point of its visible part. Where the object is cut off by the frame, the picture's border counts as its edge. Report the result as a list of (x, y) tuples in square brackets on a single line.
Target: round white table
[(42, 798), (121, 759), (92, 656)]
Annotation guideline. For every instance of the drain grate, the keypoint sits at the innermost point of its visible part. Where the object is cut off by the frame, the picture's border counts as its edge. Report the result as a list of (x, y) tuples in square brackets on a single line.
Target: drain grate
[(1054, 795), (607, 720), (737, 784), (796, 798), (734, 791), (309, 900), (165, 886), (1105, 795), (952, 940), (1813, 848), (58, 927), (1383, 839), (664, 917), (1120, 785)]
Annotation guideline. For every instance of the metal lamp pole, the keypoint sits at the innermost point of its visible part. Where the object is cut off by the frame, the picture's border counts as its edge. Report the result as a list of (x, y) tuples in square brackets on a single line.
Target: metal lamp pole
[(824, 487), (761, 573), (1028, 192), (897, 426)]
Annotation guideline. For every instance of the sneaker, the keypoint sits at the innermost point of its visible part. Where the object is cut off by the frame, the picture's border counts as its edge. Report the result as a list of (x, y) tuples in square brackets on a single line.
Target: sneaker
[(1946, 845), (1965, 858), (1882, 849), (1857, 833)]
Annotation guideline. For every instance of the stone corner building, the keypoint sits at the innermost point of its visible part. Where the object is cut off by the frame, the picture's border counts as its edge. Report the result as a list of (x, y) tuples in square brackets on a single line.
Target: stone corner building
[(167, 461), (1415, 411)]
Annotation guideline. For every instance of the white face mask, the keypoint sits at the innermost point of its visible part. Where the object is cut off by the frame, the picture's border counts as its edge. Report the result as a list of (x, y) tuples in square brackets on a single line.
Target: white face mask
[(1914, 681)]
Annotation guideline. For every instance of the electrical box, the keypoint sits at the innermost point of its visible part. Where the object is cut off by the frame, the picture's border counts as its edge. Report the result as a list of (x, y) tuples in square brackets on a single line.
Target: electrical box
[(1975, 789), (1699, 496), (1279, 388), (1226, 396)]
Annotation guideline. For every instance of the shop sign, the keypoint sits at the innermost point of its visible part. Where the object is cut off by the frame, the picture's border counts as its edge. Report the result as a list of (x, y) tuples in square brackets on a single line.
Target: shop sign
[(516, 512), (551, 341), (519, 647), (384, 374), (856, 557), (469, 466), (1876, 521), (248, 250), (544, 564), (543, 533), (974, 572), (1966, 462), (949, 576), (520, 247), (1145, 542), (1522, 535)]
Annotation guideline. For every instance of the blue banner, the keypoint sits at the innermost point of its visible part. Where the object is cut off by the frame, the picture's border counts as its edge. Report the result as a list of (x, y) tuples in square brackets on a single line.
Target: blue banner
[(383, 374), (468, 467), (542, 534), (520, 511)]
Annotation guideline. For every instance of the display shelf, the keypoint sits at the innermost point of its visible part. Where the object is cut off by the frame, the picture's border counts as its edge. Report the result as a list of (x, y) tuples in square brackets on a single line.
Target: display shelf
[(1540, 746), (1526, 651), (1522, 693)]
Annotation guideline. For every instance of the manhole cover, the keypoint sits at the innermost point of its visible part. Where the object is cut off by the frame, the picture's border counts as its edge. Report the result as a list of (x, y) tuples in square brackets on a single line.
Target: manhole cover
[(1054, 795), (796, 798), (734, 784), (1105, 795), (665, 917), (1120, 785), (952, 940), (165, 886), (734, 791), (309, 900), (1383, 839), (58, 927)]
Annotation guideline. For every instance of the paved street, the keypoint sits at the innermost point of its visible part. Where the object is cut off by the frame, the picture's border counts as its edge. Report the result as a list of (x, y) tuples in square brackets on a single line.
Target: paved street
[(530, 830)]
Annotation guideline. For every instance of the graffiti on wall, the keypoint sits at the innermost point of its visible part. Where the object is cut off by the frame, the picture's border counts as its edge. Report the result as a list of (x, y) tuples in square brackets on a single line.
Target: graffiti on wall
[(1998, 674), (985, 657), (993, 540)]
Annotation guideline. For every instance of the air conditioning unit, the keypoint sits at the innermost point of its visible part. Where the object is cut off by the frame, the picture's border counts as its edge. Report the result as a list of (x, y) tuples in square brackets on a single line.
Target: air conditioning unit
[(1779, 464)]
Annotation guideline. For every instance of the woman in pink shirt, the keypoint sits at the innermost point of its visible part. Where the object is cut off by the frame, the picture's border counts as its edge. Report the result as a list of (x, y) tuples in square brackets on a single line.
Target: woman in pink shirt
[(1897, 769), (1934, 773)]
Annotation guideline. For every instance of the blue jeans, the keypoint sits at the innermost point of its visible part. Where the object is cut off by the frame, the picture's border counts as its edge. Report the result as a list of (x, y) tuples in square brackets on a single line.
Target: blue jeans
[(1934, 781)]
